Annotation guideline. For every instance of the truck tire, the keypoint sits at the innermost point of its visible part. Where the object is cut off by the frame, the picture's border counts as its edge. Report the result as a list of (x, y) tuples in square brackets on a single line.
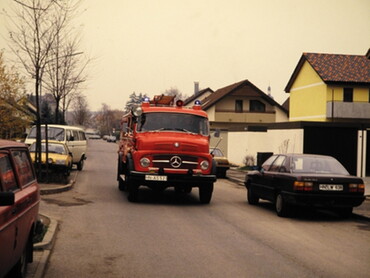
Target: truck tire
[(120, 171), (205, 193), (133, 192)]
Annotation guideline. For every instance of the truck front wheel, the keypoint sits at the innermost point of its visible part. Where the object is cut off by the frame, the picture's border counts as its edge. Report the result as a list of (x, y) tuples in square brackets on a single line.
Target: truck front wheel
[(205, 193), (133, 192)]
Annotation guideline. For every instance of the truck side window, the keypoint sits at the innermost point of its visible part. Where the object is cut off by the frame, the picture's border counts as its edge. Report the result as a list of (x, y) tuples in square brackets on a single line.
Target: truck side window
[(24, 167), (7, 177)]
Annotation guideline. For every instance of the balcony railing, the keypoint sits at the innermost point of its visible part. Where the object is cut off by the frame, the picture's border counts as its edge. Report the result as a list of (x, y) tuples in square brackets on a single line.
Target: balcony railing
[(351, 110), (245, 117)]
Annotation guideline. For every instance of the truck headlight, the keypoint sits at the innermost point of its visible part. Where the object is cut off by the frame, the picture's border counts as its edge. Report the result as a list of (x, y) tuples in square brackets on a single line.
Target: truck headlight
[(145, 162), (204, 165)]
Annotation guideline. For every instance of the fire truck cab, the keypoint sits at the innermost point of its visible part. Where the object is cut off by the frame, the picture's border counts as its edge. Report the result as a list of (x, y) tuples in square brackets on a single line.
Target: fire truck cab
[(165, 145)]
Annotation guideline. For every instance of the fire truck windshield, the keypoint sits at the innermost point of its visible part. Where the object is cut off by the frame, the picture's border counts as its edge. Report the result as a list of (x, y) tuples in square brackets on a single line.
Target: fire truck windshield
[(178, 122)]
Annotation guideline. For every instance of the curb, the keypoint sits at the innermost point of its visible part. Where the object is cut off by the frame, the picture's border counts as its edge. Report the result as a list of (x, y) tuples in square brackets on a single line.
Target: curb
[(48, 240), (44, 247), (59, 188)]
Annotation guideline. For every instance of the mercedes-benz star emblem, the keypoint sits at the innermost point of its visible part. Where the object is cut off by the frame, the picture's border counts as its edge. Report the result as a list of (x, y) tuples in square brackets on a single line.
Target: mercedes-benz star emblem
[(175, 161)]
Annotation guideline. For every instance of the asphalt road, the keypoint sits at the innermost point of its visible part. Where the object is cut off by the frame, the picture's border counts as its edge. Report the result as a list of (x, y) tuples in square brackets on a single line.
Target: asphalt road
[(103, 235)]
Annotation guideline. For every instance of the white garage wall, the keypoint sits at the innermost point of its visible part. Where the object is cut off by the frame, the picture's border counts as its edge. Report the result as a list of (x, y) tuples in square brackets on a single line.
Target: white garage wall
[(245, 143)]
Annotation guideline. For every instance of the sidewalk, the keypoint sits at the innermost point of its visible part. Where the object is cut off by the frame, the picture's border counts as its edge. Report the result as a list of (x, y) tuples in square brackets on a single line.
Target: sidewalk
[(42, 249), (238, 177)]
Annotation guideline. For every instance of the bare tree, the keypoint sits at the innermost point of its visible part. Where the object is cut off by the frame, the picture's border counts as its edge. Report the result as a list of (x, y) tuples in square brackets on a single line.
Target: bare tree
[(175, 92), (66, 70), (34, 28), (81, 113)]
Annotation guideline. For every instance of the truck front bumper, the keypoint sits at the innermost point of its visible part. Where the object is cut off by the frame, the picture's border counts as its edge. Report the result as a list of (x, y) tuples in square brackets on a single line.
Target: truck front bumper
[(168, 180)]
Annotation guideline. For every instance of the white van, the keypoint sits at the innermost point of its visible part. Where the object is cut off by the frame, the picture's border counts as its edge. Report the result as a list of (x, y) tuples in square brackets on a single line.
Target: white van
[(73, 137)]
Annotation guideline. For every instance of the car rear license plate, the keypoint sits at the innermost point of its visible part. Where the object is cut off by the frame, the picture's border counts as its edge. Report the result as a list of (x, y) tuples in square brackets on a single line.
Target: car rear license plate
[(331, 187), (155, 178)]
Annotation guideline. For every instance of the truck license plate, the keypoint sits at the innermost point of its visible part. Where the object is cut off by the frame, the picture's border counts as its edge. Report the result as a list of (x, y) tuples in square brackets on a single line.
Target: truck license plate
[(331, 187), (155, 178)]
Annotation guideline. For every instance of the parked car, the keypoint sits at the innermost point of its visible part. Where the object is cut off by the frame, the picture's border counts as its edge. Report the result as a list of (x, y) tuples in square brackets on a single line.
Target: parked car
[(290, 180), (112, 138), (59, 158), (222, 163), (74, 137), (19, 208)]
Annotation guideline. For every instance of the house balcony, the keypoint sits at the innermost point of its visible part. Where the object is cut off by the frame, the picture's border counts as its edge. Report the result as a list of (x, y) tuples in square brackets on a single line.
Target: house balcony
[(245, 117), (348, 110)]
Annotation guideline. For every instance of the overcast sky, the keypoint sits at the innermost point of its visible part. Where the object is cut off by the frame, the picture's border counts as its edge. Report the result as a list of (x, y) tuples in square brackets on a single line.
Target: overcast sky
[(148, 46)]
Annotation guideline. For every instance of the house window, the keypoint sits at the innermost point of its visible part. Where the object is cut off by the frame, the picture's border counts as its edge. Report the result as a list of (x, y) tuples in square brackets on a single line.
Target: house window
[(239, 106), (348, 94), (257, 106)]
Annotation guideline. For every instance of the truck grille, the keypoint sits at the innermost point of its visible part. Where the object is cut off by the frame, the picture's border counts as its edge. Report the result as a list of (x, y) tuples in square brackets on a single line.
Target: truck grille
[(175, 161)]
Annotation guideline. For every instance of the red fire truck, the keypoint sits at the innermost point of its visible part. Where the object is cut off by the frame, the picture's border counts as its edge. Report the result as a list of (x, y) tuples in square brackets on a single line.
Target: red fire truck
[(165, 145)]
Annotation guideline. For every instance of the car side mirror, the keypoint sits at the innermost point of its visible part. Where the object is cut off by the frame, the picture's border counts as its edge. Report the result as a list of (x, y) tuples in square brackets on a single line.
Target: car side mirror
[(6, 198)]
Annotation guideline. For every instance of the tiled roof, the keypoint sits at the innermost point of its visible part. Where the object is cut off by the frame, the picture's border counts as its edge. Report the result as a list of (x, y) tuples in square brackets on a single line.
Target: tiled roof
[(223, 92), (336, 68), (197, 95)]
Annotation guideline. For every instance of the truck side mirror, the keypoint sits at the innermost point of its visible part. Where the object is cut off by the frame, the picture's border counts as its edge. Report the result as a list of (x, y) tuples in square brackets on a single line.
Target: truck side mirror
[(6, 198)]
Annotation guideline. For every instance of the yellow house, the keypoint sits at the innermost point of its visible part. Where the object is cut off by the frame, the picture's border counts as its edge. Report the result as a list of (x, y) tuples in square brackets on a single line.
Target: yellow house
[(330, 87)]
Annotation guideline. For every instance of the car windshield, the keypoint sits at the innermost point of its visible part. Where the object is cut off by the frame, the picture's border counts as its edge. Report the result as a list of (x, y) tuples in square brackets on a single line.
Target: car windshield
[(52, 148), (54, 133), (324, 165), (179, 122)]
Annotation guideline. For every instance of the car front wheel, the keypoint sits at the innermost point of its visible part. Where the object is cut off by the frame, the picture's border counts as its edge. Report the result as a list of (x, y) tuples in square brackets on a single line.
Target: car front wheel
[(252, 197)]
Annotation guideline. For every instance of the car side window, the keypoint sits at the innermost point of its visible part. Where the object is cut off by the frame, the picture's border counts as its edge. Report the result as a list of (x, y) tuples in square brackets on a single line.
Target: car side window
[(275, 167), (82, 136), (266, 165), (7, 177), (75, 135), (24, 167)]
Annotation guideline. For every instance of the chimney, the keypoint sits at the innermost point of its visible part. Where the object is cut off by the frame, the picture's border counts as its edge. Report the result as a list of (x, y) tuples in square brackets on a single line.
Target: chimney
[(196, 88)]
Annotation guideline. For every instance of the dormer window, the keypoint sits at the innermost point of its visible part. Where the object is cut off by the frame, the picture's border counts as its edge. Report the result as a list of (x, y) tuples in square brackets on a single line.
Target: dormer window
[(347, 94), (238, 106), (257, 106)]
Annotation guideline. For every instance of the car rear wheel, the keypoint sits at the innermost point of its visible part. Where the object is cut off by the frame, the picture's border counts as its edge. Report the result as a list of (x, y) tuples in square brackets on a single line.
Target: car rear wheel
[(281, 207), (80, 164), (252, 197)]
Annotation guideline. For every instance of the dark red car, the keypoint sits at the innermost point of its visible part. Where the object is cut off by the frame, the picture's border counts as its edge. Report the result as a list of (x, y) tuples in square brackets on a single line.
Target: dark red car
[(19, 208), (290, 180)]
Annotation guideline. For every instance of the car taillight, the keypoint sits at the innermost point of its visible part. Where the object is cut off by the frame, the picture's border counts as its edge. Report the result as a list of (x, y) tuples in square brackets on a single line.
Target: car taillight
[(302, 186), (354, 187)]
